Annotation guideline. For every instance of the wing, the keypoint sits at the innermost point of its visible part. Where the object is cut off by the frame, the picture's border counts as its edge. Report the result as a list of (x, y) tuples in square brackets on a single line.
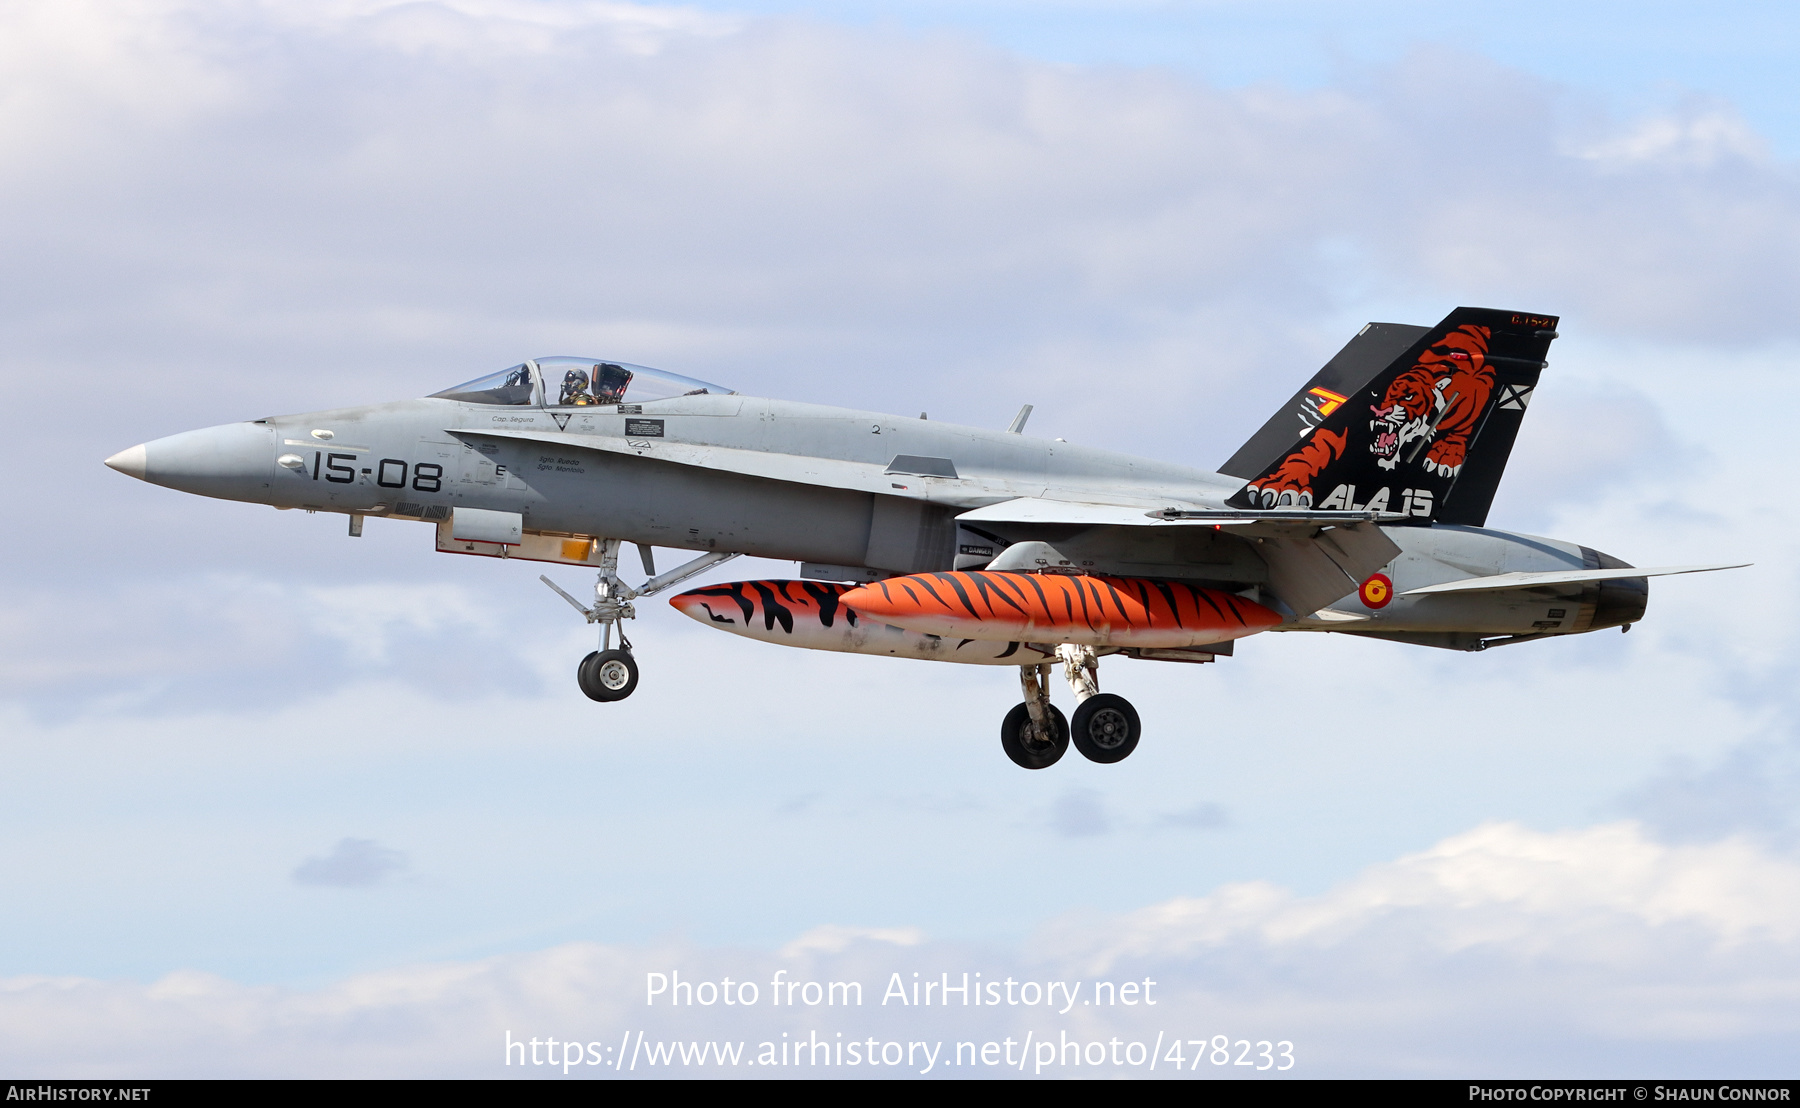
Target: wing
[(905, 477), (797, 468), (1131, 512)]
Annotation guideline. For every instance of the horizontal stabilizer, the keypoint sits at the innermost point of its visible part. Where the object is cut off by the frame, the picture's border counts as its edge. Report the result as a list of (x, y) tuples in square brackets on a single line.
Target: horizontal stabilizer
[(1531, 580), (1332, 615), (1321, 517)]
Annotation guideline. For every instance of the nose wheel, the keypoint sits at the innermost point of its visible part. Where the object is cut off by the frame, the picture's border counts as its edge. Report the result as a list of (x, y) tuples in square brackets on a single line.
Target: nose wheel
[(1105, 728), (610, 674)]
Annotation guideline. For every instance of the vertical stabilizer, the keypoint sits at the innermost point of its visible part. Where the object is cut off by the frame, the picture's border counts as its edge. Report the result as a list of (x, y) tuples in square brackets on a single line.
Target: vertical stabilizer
[(1374, 348), (1428, 433)]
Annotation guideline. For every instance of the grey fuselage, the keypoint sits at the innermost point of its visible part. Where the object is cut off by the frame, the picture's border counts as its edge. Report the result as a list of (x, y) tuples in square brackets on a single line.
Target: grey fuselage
[(833, 487)]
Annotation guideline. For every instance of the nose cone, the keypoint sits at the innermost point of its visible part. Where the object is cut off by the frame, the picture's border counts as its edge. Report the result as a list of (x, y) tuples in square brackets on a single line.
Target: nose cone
[(232, 461), (130, 462)]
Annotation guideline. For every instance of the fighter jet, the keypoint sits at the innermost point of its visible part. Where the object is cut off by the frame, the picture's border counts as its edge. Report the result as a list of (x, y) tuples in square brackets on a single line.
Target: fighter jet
[(1359, 508)]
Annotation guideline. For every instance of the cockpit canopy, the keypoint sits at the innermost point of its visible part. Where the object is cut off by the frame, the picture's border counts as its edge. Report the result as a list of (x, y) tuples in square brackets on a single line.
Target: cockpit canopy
[(565, 382)]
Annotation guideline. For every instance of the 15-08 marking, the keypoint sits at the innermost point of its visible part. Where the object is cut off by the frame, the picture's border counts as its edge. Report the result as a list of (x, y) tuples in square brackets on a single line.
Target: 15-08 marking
[(426, 476)]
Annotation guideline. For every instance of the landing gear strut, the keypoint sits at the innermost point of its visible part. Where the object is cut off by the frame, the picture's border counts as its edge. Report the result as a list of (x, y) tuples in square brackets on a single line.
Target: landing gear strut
[(1105, 728), (607, 674)]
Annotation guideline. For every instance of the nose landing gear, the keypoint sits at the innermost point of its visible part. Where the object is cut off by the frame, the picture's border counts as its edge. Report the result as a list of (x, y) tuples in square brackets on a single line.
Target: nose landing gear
[(1105, 728), (607, 674)]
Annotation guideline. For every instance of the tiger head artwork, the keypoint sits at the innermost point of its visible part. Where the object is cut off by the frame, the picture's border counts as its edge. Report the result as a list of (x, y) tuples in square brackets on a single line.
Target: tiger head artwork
[(1439, 398)]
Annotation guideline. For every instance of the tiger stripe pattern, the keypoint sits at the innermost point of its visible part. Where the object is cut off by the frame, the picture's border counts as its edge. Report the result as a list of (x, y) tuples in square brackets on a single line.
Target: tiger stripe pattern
[(1087, 610), (811, 615)]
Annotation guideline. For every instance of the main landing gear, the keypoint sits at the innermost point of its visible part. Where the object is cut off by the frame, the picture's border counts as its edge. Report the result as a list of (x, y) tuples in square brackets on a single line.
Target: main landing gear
[(607, 674), (1035, 734), (1105, 728)]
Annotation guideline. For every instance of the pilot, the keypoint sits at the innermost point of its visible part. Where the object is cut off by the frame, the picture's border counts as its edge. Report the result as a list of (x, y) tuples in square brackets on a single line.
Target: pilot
[(575, 389), (610, 382)]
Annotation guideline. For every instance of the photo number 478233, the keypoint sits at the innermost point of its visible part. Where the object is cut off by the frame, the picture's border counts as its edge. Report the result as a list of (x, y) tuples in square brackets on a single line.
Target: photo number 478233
[(1221, 1051)]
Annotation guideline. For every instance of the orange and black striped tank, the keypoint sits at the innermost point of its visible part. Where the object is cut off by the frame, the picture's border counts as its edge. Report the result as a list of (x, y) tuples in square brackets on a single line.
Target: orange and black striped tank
[(1047, 607), (810, 614)]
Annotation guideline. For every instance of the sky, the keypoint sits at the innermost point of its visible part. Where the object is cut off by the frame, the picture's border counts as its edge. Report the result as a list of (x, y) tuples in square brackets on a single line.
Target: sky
[(277, 802)]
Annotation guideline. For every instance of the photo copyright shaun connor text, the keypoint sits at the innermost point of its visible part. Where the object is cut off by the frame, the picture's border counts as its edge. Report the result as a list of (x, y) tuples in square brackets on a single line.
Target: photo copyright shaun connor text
[(1623, 1093), (1035, 1052)]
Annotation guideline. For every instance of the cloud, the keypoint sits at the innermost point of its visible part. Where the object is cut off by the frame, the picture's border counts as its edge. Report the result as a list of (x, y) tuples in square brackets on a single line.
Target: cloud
[(1467, 957), (1693, 135), (1080, 813), (719, 199), (249, 640), (1204, 816), (797, 805), (833, 939), (1562, 895), (352, 864), (1753, 789)]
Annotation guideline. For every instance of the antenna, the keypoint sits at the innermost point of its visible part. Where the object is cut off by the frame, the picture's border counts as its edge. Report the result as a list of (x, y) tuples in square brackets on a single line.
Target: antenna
[(1018, 423)]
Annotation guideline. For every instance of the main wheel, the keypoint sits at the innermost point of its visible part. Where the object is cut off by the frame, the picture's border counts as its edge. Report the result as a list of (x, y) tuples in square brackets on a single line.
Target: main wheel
[(1105, 728), (608, 676), (1020, 745)]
